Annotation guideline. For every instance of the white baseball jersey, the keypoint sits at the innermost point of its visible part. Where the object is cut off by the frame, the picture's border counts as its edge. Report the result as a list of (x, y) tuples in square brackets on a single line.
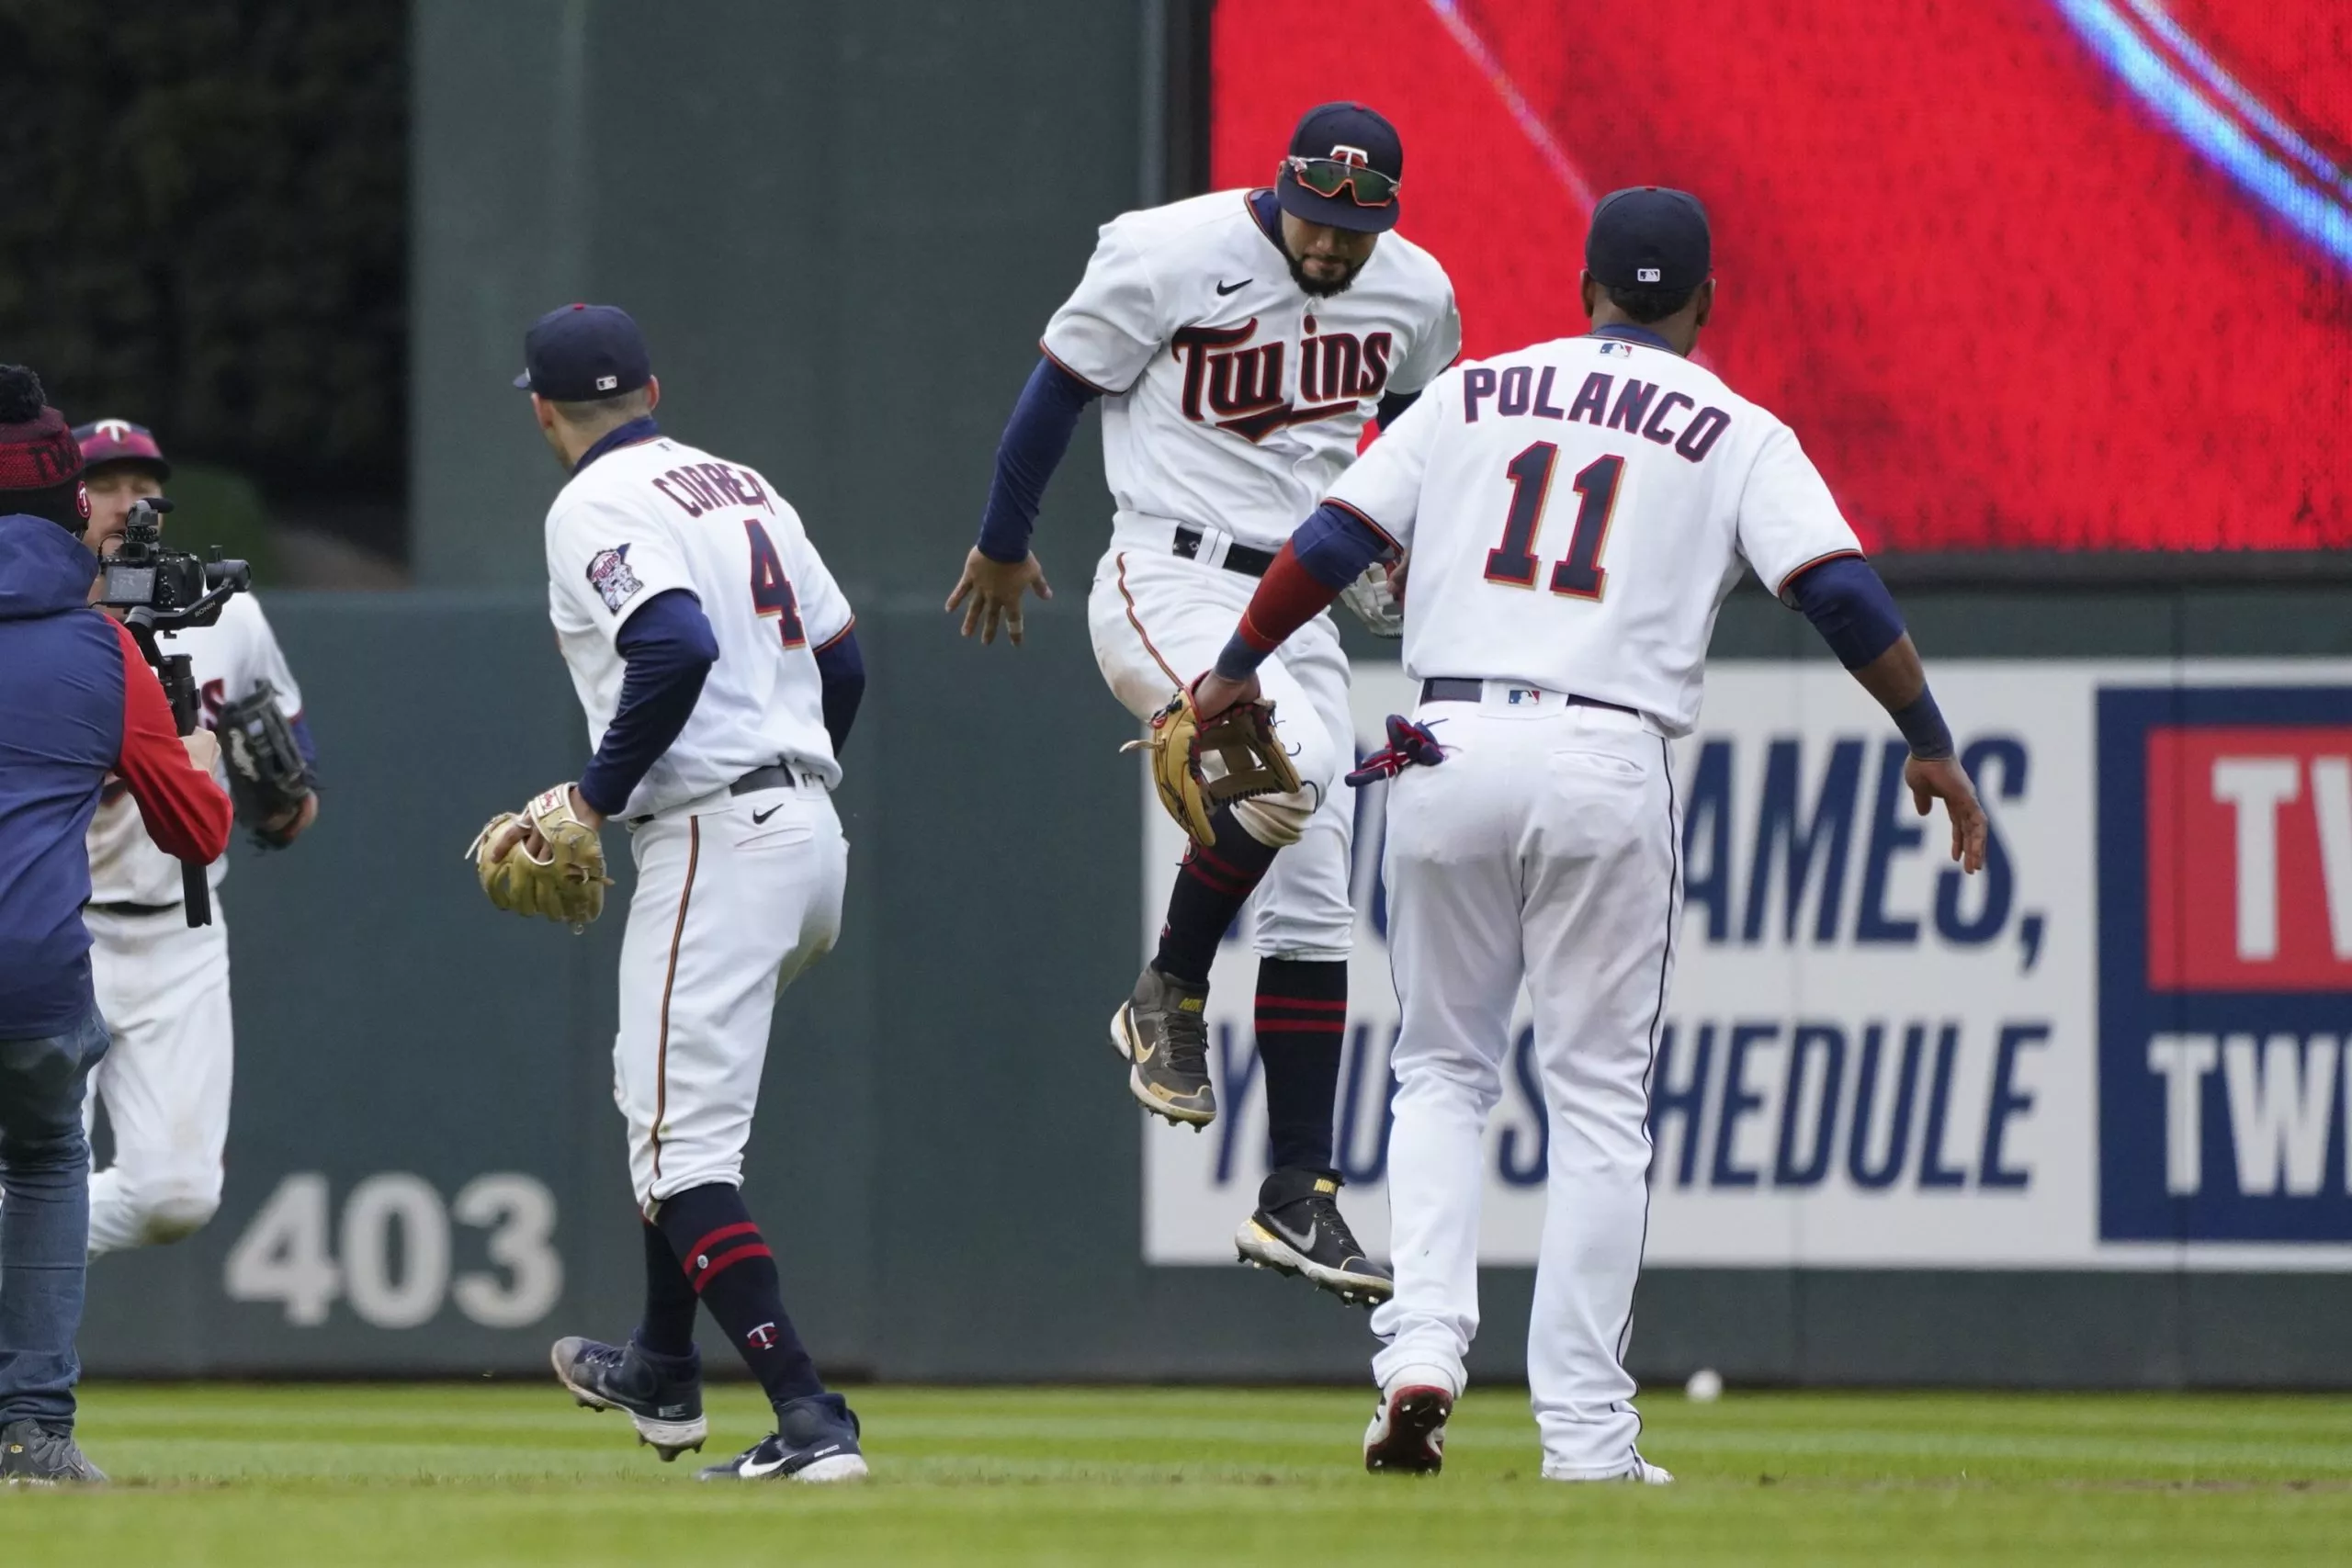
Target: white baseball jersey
[(1235, 398), (230, 660), (660, 515), (1577, 511)]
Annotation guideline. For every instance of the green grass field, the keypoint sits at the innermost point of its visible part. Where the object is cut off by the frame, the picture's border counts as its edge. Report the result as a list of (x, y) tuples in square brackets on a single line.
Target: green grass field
[(449, 1476)]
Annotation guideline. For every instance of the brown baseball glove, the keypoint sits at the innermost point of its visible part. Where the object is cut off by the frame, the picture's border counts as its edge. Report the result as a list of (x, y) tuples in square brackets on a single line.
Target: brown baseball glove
[(1198, 766)]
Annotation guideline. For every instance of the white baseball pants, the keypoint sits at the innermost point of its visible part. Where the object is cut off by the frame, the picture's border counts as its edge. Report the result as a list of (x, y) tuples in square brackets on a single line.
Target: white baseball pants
[(736, 895), (162, 988), (1158, 622), (1544, 850)]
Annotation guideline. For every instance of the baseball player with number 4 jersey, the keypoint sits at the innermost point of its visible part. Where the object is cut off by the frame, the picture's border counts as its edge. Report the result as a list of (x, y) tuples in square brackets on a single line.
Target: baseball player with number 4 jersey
[(715, 659), (1239, 342), (1576, 513)]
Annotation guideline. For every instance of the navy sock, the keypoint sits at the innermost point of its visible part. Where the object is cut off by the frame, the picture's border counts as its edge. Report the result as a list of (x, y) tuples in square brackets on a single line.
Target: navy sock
[(668, 1328), (1211, 887), (729, 1266), (1302, 1020)]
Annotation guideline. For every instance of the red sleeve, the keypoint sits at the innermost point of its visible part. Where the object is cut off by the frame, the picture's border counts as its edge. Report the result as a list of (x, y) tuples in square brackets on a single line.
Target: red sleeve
[(1288, 597), (187, 813)]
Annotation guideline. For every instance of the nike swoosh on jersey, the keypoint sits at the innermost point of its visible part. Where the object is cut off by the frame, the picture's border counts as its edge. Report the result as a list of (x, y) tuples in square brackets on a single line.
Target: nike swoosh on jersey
[(1224, 288)]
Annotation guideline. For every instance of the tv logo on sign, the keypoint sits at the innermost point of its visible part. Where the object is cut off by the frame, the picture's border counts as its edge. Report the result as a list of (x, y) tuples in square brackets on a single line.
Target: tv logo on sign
[(2225, 965)]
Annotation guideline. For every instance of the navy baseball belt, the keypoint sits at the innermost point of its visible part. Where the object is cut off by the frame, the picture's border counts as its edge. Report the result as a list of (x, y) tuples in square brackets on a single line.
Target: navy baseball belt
[(1456, 688), (1246, 559)]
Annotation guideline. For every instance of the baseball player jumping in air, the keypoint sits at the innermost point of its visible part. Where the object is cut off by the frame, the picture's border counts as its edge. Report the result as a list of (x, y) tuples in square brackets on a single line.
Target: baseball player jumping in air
[(714, 656), (162, 985), (1239, 341), (1576, 513)]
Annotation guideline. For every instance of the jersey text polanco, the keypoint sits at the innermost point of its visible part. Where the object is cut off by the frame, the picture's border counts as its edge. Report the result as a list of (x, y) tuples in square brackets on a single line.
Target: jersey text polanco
[(1575, 514)]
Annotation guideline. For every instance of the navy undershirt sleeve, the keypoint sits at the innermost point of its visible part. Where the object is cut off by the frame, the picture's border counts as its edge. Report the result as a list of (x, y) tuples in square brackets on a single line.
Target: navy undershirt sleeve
[(1392, 406), (1035, 440), (841, 668), (308, 747), (1850, 607), (668, 649), (1336, 545)]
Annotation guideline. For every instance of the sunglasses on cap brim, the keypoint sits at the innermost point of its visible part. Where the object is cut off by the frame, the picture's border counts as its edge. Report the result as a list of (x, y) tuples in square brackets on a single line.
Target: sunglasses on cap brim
[(1330, 177)]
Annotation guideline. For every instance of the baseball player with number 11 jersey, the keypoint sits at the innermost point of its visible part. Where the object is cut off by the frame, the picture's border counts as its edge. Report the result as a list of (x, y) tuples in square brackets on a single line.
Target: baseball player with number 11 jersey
[(1575, 513)]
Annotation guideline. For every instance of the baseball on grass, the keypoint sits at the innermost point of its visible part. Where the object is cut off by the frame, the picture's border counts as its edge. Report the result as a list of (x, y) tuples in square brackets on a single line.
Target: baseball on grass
[(1706, 1386)]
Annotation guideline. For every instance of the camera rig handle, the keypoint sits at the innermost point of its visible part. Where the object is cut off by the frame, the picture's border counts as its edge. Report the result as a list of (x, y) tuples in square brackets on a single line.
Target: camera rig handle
[(177, 674)]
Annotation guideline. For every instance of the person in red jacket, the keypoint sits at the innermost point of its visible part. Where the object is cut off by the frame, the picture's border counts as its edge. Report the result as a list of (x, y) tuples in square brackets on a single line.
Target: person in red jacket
[(79, 705)]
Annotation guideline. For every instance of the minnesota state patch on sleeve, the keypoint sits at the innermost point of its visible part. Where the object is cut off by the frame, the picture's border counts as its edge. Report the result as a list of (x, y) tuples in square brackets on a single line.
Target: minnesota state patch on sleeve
[(609, 575)]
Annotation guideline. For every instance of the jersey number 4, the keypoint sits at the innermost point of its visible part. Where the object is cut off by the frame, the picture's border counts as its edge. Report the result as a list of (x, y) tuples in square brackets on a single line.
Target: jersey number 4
[(1579, 574), (771, 590)]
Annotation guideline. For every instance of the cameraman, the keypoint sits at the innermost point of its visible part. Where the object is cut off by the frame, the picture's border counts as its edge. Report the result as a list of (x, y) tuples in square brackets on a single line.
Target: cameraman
[(162, 985), (80, 702)]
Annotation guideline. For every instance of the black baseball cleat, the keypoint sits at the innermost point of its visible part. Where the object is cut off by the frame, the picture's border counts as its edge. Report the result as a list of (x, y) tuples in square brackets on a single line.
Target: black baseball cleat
[(34, 1455), (1407, 1433), (1299, 1230), (815, 1440), (1162, 1033), (662, 1395)]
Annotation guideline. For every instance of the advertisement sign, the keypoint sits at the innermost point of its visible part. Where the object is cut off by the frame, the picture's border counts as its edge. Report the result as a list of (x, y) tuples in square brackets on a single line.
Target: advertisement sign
[(2120, 1045), (1952, 242)]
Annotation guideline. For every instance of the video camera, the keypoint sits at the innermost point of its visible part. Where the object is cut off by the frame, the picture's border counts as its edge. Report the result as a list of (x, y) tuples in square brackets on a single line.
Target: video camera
[(164, 591), (175, 588)]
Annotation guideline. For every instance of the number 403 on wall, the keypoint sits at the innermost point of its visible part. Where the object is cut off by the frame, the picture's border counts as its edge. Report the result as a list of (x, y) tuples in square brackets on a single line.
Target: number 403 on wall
[(286, 1255)]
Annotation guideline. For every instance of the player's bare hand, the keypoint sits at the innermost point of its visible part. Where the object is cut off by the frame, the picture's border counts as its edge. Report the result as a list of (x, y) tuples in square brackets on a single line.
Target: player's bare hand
[(990, 594), (1213, 694), (1944, 779), (203, 750)]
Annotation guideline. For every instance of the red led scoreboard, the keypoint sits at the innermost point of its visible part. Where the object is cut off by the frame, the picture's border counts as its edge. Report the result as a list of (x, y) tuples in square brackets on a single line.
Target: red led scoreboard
[(2027, 274)]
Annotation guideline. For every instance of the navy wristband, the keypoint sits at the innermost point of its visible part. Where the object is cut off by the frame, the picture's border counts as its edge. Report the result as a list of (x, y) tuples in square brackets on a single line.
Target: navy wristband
[(1922, 725), (1238, 661)]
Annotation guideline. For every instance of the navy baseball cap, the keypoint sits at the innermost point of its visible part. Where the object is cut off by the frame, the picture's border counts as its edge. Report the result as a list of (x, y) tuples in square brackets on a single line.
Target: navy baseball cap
[(1346, 163), (580, 352), (1649, 237), (119, 441)]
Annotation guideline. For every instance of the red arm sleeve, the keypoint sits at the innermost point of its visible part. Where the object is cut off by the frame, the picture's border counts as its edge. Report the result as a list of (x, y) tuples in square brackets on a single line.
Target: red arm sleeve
[(187, 813), (1288, 597)]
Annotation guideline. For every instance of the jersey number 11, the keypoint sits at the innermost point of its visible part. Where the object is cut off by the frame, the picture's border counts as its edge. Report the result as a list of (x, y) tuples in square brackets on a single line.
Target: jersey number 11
[(1579, 574), (771, 590)]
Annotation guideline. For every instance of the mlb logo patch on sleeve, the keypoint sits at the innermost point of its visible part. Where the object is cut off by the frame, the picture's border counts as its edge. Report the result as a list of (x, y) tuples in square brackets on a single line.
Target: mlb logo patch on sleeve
[(609, 575)]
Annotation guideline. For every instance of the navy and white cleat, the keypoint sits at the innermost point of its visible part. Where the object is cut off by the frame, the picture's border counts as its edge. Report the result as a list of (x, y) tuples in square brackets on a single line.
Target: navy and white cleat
[(815, 1440), (1299, 1230), (1407, 1434), (663, 1394)]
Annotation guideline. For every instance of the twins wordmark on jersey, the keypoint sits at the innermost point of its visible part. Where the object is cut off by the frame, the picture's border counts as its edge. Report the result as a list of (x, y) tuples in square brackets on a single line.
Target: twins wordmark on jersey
[(645, 519), (228, 660), (1577, 511), (1233, 397)]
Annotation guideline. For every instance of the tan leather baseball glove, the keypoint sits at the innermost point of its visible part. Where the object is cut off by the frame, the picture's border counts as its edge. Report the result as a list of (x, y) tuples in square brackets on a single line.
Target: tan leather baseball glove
[(1198, 767), (562, 878)]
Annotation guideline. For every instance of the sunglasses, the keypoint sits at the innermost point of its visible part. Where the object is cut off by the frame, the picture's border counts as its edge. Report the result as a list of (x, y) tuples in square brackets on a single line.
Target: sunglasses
[(1330, 177)]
